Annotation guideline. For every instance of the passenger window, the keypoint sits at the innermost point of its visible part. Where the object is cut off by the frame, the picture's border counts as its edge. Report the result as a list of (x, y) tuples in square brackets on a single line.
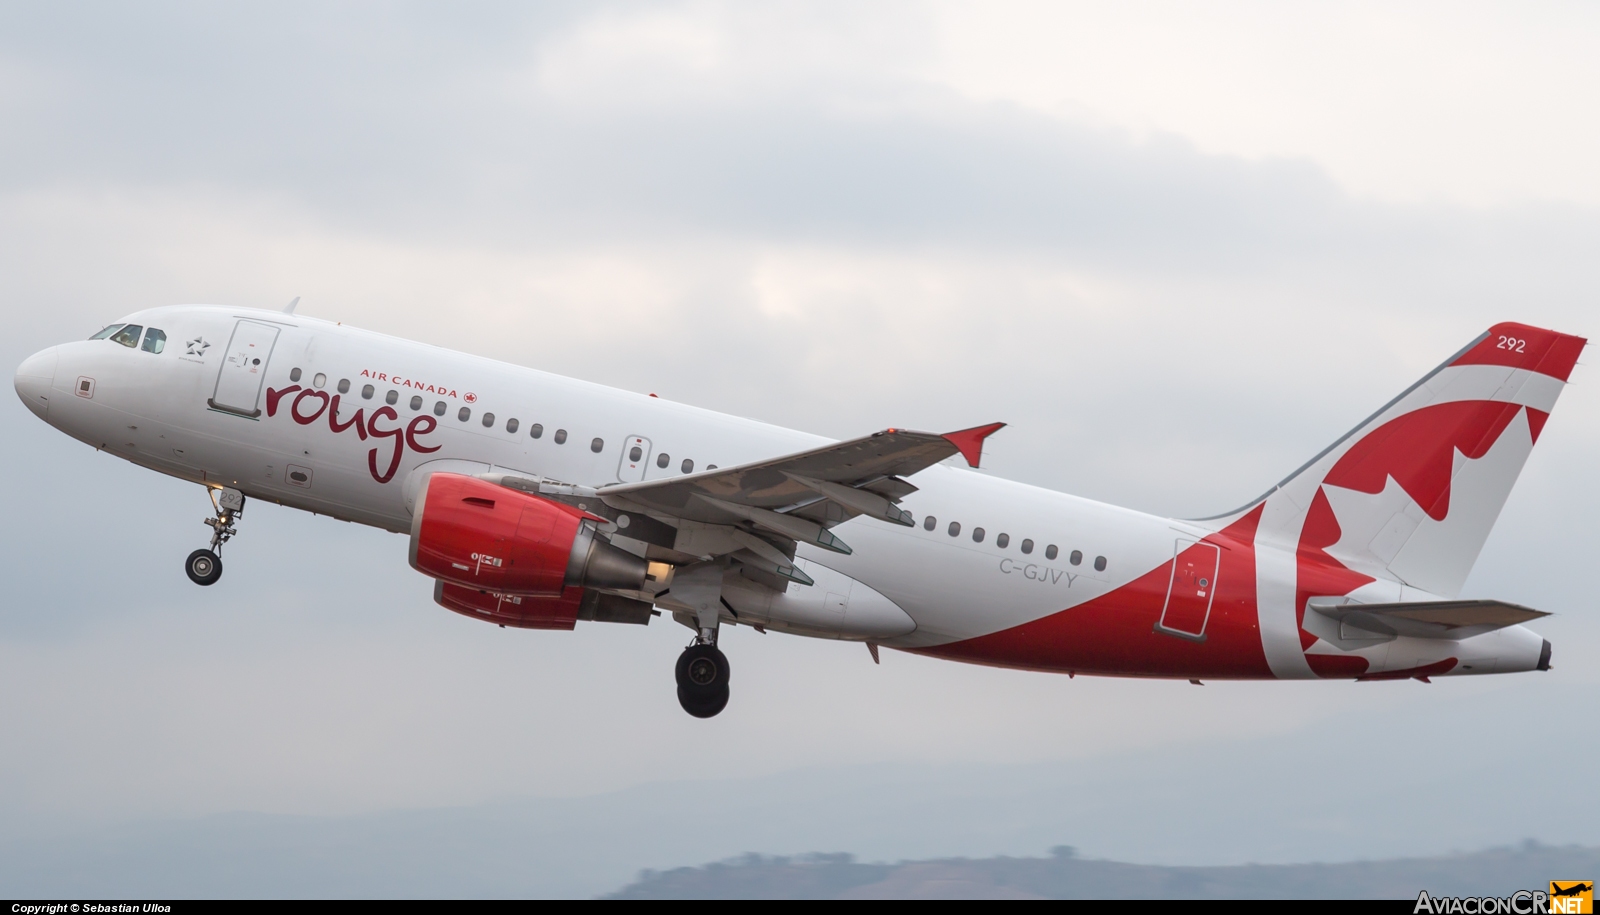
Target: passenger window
[(416, 401), (711, 467), (635, 453), (464, 414), (319, 381), (1002, 541), (1099, 563), (294, 374), (955, 528), (154, 341), (662, 460), (1076, 558), (561, 436), (688, 465), (366, 392), (108, 331), (511, 426), (488, 420), (597, 446), (439, 407), (391, 398), (129, 335), (344, 386), (1027, 546), (929, 523), (536, 430), (977, 535), (1050, 552)]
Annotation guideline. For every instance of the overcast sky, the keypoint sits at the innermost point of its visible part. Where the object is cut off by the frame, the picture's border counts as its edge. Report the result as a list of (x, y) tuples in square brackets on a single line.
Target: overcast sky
[(1179, 248)]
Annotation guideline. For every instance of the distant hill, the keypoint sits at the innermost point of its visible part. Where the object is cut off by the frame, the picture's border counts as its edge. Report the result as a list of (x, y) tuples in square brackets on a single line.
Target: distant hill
[(1063, 875)]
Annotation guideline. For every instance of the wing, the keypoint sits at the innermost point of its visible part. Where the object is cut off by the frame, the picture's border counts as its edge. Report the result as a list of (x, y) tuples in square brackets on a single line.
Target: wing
[(758, 512), (1442, 619)]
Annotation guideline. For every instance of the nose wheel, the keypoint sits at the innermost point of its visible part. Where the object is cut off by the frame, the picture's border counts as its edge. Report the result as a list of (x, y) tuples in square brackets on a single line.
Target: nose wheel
[(204, 567), (702, 680)]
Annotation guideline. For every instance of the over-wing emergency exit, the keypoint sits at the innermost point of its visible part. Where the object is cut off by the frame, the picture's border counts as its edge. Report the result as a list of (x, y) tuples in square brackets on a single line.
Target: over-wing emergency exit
[(534, 501)]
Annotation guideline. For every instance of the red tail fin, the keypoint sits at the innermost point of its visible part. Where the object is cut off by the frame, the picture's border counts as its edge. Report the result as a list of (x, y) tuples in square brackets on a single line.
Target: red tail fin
[(1414, 490)]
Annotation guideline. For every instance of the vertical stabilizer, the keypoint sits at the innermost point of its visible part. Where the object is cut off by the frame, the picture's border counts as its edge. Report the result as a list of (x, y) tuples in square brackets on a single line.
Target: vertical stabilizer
[(1409, 496)]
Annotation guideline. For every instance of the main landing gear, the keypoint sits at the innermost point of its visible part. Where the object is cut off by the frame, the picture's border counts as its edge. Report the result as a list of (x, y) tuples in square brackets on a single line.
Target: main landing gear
[(702, 669), (204, 567), (702, 679)]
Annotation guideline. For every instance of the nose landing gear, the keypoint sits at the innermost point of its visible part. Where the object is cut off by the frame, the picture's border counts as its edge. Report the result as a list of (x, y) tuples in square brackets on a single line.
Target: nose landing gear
[(204, 567), (702, 679)]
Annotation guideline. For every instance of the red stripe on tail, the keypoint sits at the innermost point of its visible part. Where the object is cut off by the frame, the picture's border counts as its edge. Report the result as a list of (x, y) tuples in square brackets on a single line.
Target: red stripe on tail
[(1522, 347)]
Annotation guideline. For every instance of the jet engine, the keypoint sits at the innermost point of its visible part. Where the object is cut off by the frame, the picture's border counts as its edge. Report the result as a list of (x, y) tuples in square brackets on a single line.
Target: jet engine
[(495, 540)]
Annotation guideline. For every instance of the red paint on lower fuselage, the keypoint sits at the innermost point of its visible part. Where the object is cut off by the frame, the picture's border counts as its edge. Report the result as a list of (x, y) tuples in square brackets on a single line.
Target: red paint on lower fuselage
[(1115, 634), (1336, 666)]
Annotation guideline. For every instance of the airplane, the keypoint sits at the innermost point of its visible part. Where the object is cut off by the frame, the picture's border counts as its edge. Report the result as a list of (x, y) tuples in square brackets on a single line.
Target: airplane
[(536, 501)]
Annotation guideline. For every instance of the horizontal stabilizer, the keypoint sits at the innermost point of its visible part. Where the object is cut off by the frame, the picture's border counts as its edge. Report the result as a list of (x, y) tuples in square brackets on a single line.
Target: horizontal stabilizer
[(1442, 619)]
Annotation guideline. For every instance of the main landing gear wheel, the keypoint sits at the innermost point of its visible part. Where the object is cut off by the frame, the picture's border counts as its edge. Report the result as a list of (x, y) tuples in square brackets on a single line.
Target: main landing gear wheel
[(702, 680), (703, 707), (204, 567)]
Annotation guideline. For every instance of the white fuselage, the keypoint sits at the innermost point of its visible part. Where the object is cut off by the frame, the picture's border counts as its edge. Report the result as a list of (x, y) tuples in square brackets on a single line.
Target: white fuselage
[(152, 409)]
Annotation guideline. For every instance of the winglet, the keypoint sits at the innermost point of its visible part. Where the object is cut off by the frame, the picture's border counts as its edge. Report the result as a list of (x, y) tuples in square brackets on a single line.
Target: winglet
[(970, 441), (289, 309)]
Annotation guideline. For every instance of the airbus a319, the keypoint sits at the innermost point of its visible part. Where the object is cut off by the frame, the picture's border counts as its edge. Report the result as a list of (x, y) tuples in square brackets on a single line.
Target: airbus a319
[(536, 501)]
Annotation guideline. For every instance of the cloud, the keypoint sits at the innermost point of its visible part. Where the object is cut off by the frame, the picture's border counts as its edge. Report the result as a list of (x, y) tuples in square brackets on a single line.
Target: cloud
[(1470, 103)]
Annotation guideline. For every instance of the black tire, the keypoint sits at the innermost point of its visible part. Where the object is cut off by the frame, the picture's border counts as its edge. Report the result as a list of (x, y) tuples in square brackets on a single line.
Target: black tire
[(204, 567), (703, 671), (703, 706)]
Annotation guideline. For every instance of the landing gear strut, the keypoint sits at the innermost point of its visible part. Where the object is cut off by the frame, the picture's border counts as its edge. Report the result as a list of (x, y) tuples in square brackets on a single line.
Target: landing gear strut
[(204, 567), (702, 679)]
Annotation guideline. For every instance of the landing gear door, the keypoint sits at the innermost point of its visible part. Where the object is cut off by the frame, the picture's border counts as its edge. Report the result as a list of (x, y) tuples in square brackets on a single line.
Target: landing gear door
[(244, 369), (635, 458), (1190, 590)]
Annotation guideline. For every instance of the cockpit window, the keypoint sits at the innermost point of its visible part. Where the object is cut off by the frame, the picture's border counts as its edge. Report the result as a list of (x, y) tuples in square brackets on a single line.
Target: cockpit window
[(111, 329), (129, 335), (154, 341)]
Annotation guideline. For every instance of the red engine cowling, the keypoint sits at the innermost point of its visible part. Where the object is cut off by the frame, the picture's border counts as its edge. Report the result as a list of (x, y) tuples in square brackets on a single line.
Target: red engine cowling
[(523, 612), (532, 612), (489, 538)]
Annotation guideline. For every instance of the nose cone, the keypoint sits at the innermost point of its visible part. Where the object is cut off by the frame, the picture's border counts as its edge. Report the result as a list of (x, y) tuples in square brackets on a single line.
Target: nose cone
[(34, 377)]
